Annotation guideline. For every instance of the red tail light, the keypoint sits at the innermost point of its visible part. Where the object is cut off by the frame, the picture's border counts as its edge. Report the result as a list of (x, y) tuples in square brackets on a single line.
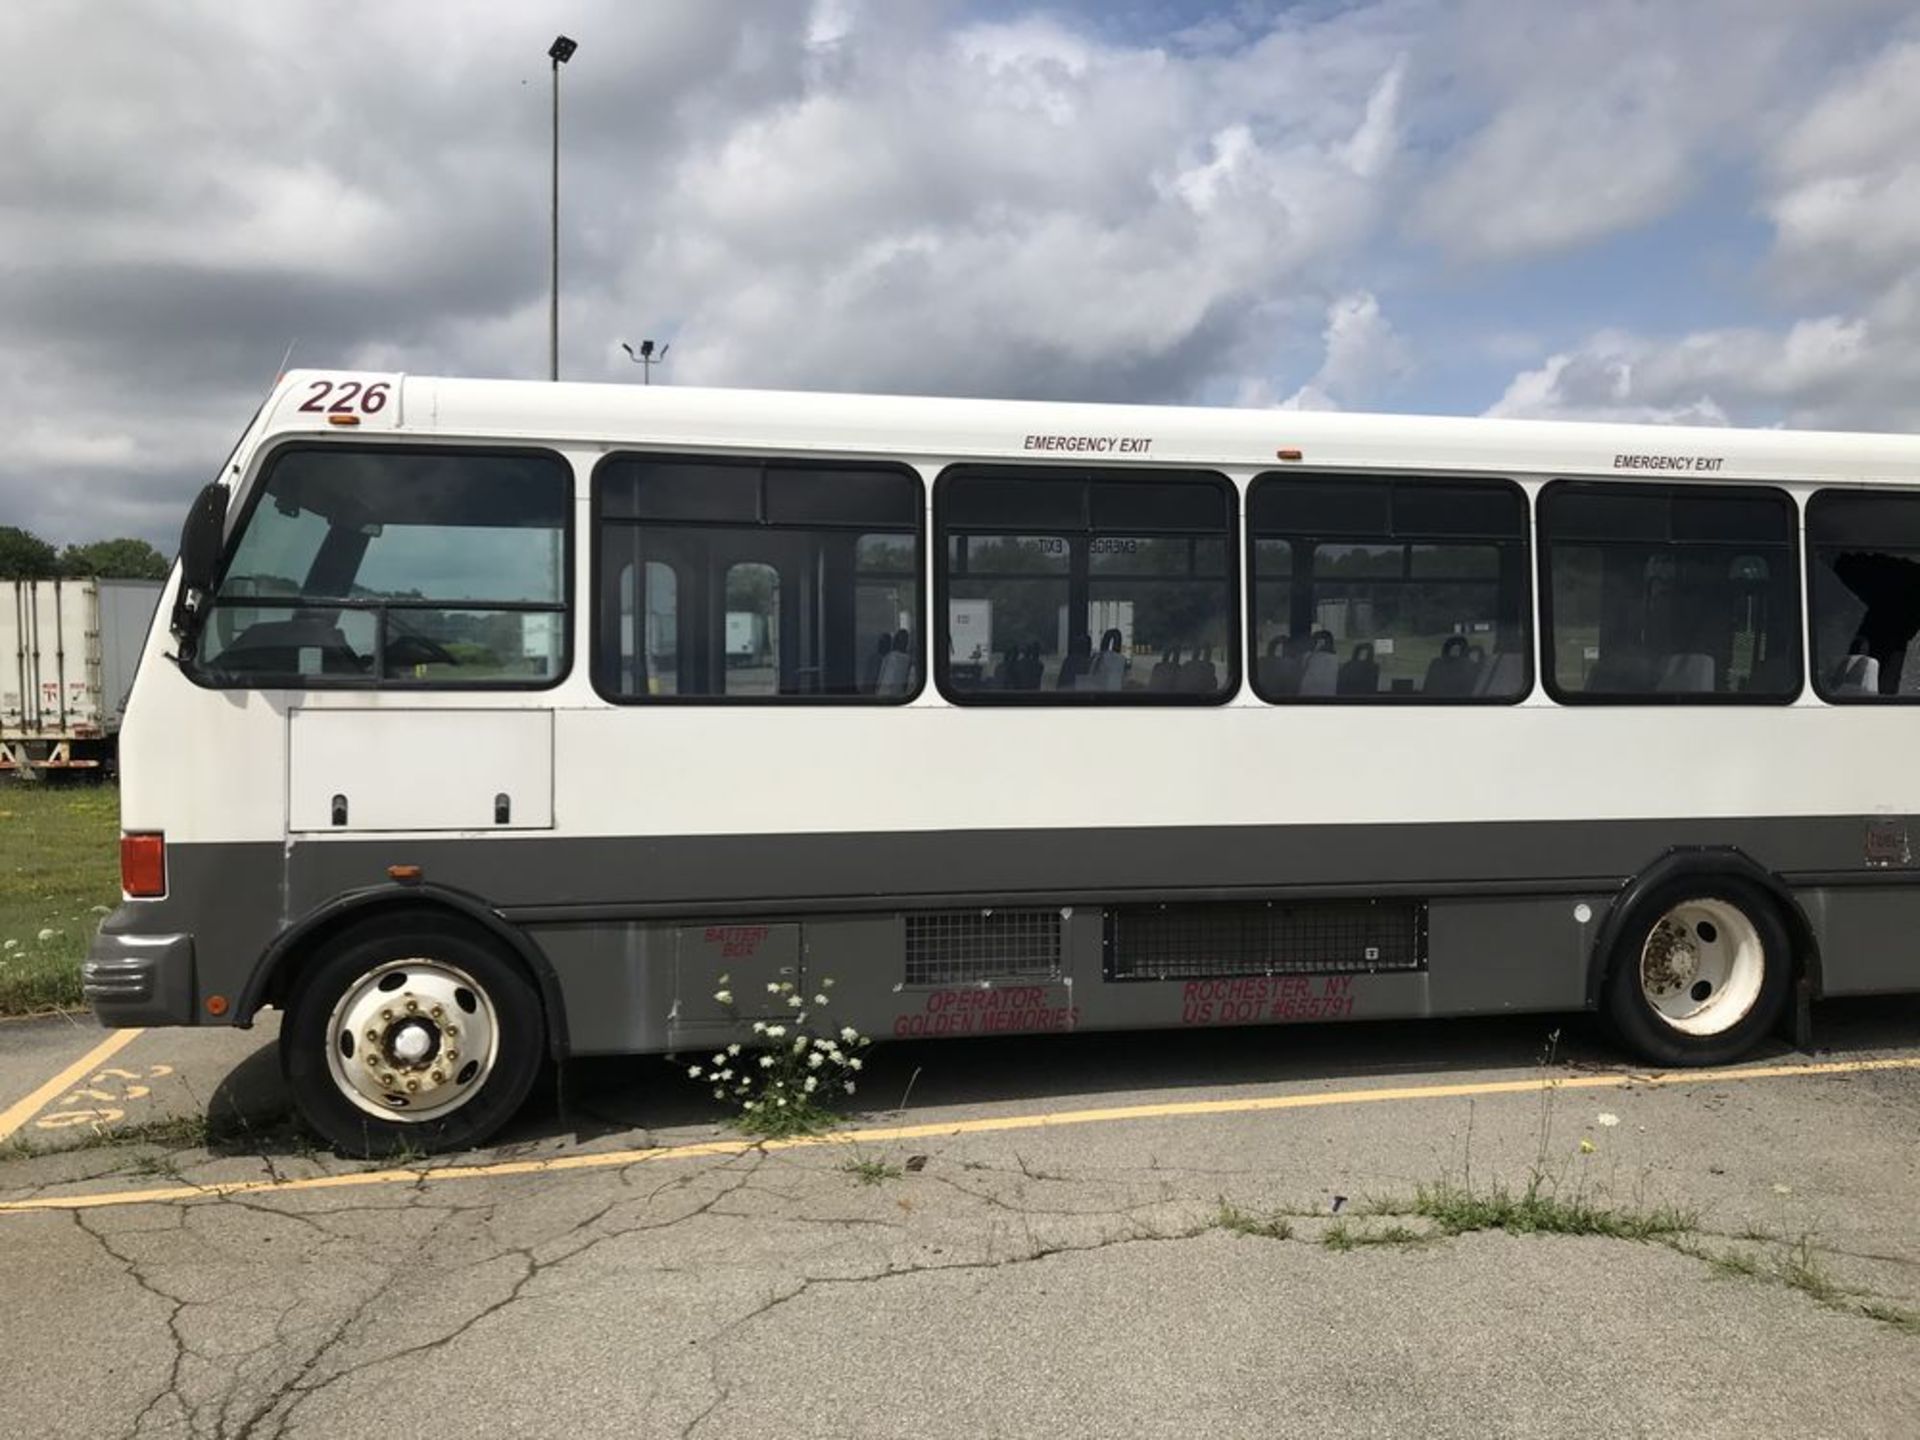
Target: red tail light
[(143, 866)]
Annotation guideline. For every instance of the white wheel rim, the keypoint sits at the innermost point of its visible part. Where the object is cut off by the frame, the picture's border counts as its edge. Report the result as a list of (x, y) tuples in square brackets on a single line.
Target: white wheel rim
[(412, 1040), (1702, 966)]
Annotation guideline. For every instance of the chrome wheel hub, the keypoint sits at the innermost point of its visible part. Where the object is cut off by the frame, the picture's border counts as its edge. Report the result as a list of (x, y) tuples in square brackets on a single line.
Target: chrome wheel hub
[(412, 1040)]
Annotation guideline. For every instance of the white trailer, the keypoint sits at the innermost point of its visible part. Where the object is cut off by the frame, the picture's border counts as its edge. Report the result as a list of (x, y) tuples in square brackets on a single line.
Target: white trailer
[(68, 650)]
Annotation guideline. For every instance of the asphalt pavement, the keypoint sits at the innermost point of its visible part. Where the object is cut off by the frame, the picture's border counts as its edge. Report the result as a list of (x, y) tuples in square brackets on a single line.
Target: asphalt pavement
[(1317, 1231)]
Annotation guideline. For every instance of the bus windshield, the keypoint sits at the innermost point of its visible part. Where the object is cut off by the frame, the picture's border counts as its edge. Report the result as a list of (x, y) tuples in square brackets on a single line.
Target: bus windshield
[(380, 566)]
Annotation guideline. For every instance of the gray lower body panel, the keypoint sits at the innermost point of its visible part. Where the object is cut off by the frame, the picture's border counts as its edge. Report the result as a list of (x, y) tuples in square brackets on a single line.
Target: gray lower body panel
[(637, 929)]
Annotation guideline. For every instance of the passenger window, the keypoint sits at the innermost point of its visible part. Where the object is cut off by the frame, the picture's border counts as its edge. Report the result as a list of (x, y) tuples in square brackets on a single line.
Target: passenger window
[(1077, 587), (396, 566), (1369, 589), (776, 580), (1864, 582), (1670, 594), (753, 630)]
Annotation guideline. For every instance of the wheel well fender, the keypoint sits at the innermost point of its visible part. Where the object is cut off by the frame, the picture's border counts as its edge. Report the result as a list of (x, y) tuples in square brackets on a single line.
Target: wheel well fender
[(1707, 861), (273, 977)]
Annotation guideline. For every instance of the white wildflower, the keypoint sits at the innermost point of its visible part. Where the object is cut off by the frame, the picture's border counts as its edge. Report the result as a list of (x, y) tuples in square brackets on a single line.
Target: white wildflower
[(734, 1048), (813, 1084), (794, 1001), (1609, 1119), (819, 999), (849, 1034), (816, 1060), (773, 987), (726, 1074), (766, 1062), (848, 1087), (725, 997), (719, 1093), (775, 1032), (48, 934), (822, 1043), (854, 1063), (759, 1027), (11, 945), (781, 1101), (799, 1044), (827, 982), (693, 1072)]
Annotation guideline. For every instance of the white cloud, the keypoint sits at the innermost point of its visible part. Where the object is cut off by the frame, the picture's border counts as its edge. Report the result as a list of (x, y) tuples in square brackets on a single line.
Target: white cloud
[(1363, 353), (1844, 197), (1600, 118)]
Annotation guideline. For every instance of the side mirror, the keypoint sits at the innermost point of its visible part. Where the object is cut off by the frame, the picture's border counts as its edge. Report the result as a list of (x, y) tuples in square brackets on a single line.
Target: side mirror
[(200, 543)]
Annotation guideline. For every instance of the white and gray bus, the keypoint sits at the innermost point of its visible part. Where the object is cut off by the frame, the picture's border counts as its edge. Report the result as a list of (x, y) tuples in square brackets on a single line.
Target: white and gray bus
[(486, 721)]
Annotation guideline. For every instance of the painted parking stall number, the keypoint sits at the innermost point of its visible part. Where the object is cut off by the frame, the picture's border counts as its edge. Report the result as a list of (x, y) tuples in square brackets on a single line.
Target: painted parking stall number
[(110, 1091)]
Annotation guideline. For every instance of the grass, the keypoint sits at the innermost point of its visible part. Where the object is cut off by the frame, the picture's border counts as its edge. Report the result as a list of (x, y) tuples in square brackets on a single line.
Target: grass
[(1236, 1221), (872, 1172), (1537, 1210), (59, 865)]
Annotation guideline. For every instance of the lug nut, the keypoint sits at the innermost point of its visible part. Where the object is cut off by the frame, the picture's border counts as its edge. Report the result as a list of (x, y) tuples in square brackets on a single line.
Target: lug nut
[(386, 1080), (453, 1054), (412, 1005), (438, 1012), (438, 1077), (413, 1084), (386, 1014), (452, 1030)]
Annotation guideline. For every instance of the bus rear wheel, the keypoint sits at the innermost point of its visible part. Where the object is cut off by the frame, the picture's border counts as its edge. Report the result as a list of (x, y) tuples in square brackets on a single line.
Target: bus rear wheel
[(410, 1033), (1699, 971)]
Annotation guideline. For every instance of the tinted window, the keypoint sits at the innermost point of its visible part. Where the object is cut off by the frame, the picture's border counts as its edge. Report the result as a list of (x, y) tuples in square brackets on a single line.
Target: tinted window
[(369, 566), (725, 579), (1086, 586), (1658, 593), (1863, 569), (1389, 590)]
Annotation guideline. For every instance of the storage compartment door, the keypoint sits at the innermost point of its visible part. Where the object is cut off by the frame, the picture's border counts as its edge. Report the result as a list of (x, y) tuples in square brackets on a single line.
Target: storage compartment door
[(358, 770)]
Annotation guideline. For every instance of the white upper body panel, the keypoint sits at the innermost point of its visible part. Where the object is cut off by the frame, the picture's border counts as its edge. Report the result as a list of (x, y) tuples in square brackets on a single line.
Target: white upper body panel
[(912, 427), (213, 765)]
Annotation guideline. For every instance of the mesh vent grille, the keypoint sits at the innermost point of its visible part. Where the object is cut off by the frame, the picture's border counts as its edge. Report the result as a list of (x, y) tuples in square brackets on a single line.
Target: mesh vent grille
[(952, 947), (1318, 937)]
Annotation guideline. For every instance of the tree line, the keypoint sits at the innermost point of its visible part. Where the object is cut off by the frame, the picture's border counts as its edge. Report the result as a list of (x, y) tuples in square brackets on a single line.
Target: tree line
[(25, 556)]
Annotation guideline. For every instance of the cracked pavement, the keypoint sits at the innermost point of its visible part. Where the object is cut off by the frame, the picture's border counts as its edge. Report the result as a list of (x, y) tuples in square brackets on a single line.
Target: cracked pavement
[(1060, 1279)]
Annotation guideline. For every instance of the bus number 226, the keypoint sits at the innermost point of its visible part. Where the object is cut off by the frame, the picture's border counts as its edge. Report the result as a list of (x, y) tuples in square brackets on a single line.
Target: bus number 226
[(351, 395)]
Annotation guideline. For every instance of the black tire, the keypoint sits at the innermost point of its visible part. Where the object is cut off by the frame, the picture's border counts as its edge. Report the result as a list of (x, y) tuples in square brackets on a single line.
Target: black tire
[(1633, 1017), (336, 968)]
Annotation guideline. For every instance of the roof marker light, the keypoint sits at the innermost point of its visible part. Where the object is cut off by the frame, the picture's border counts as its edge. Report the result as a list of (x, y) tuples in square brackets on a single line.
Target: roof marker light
[(343, 419), (1289, 453)]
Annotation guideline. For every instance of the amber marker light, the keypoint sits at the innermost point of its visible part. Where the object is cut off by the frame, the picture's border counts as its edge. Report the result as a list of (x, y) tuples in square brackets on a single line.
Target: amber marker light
[(143, 866), (1290, 454), (216, 1005), (343, 419), (405, 874)]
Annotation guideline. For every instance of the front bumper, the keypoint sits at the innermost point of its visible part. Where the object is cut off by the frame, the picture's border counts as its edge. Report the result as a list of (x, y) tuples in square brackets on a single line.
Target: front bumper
[(140, 979)]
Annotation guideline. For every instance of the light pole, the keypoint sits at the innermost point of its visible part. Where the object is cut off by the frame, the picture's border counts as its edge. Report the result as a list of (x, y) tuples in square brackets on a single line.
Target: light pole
[(646, 359), (559, 52)]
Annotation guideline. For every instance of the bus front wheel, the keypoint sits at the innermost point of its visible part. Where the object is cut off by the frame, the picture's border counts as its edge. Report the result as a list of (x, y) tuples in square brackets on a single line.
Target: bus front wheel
[(1699, 971), (410, 1033)]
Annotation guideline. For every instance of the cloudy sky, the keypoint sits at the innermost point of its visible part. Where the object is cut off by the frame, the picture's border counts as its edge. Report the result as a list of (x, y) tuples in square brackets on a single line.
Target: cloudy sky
[(1699, 211)]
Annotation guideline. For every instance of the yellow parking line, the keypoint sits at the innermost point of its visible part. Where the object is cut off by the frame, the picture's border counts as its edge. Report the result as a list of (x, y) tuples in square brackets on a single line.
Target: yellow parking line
[(21, 1111), (614, 1159)]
